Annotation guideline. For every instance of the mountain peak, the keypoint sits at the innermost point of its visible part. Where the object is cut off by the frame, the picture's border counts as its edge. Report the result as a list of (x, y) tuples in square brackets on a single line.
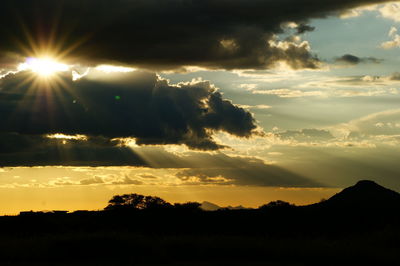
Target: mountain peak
[(367, 183), (365, 194)]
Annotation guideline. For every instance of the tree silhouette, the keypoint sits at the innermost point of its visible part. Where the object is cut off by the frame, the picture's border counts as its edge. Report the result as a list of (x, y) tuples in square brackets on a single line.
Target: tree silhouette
[(276, 204), (136, 202), (188, 206)]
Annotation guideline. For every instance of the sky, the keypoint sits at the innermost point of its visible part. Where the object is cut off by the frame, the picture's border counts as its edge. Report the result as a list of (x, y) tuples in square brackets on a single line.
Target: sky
[(236, 102)]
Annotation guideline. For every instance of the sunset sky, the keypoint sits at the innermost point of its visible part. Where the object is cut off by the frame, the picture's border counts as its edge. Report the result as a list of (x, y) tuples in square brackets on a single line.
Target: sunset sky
[(237, 102)]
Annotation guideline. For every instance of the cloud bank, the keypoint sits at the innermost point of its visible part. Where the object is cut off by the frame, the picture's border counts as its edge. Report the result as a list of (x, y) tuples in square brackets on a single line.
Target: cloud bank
[(137, 105), (167, 34)]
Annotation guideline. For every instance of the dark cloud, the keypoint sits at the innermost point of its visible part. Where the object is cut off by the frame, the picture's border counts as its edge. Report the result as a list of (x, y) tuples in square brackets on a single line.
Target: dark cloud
[(139, 105), (302, 28), (36, 150), (166, 34), (354, 60)]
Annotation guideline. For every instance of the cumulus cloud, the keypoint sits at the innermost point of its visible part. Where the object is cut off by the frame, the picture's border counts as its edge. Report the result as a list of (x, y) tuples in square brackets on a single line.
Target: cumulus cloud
[(167, 34), (137, 105), (395, 42), (392, 31), (292, 53), (391, 11), (355, 12)]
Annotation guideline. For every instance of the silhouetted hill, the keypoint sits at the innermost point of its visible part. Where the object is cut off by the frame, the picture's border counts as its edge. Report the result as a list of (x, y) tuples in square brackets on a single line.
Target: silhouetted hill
[(364, 194), (208, 206)]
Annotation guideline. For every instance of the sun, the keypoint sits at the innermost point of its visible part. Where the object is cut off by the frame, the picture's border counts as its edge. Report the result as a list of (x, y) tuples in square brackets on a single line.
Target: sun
[(43, 66)]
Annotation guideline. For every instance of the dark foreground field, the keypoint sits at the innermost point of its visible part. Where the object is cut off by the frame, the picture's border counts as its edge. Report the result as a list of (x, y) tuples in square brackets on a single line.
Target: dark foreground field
[(325, 234), (247, 237)]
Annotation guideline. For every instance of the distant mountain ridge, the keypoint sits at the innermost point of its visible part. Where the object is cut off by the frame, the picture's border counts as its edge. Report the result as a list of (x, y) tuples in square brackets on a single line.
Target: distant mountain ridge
[(209, 206)]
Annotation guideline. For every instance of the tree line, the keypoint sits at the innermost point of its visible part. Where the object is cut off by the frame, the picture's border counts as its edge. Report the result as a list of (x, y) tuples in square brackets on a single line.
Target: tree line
[(140, 202)]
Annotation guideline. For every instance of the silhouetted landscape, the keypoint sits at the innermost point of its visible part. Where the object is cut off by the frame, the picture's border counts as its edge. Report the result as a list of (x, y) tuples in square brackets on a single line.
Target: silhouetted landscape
[(200, 132), (358, 226)]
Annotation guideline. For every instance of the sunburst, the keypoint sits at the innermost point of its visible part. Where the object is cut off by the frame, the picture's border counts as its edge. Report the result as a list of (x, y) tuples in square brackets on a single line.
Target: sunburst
[(44, 67)]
